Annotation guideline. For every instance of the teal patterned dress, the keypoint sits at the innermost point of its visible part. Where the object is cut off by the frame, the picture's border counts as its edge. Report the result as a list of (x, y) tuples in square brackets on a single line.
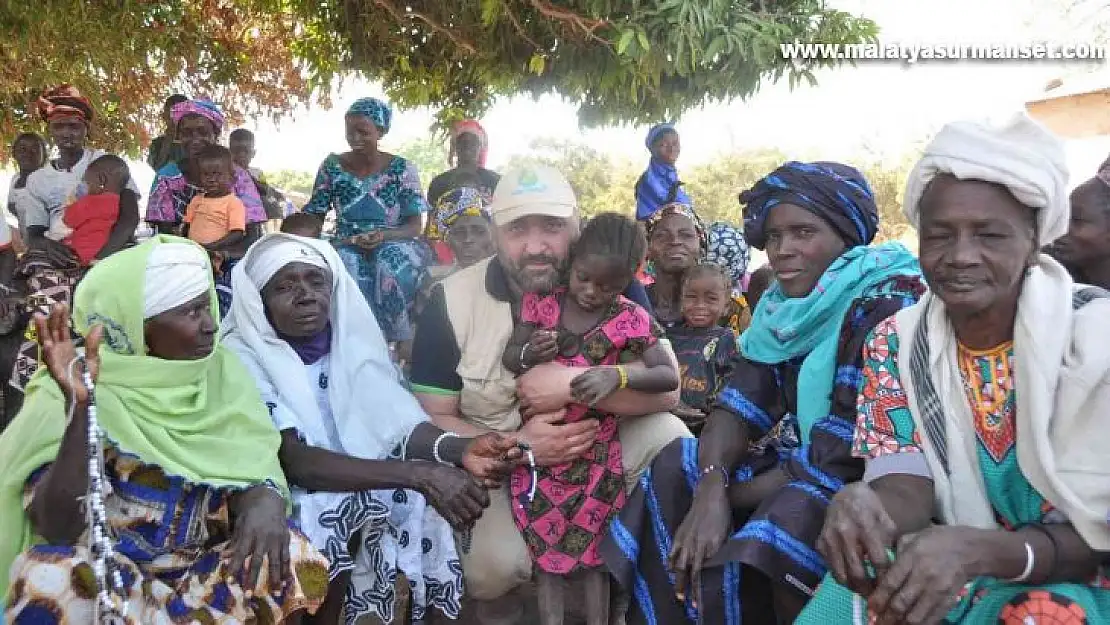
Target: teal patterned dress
[(389, 276), (885, 426)]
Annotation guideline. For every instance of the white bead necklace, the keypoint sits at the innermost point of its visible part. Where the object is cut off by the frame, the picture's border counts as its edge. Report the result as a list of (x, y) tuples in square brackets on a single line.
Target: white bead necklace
[(111, 602)]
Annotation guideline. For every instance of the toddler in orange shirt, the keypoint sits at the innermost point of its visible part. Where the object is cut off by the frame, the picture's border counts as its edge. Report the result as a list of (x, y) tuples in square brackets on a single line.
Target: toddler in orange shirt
[(216, 218)]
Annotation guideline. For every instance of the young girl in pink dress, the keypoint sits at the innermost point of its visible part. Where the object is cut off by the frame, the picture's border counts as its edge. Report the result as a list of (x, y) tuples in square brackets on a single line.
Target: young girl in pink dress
[(564, 511)]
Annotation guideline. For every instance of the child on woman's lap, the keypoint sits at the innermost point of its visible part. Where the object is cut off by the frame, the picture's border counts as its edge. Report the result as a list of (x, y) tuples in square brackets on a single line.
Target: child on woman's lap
[(216, 218), (85, 225), (566, 512)]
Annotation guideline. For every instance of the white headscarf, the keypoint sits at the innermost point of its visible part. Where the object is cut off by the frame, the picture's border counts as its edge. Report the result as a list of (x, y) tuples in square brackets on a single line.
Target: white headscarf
[(373, 413), (175, 274), (1020, 154)]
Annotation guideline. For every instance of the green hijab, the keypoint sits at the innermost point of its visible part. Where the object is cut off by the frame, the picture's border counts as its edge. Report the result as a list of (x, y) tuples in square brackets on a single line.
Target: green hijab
[(202, 420)]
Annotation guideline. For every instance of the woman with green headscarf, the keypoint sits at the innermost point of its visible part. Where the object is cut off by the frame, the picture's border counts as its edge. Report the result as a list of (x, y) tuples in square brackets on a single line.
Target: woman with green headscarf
[(195, 499)]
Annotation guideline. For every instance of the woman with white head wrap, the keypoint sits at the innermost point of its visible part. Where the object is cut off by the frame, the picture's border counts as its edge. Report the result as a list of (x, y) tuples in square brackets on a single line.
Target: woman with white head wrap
[(302, 327), (983, 406), (194, 482)]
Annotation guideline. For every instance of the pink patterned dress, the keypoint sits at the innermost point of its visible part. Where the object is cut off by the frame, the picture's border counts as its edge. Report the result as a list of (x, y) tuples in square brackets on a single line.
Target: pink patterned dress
[(574, 502)]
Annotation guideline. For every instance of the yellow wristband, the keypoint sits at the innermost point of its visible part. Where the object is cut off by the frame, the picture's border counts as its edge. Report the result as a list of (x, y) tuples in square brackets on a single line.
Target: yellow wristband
[(624, 376)]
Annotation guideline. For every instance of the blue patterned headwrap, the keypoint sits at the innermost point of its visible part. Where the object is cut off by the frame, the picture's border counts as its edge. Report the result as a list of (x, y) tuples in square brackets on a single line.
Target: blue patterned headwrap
[(729, 249), (376, 110), (837, 193)]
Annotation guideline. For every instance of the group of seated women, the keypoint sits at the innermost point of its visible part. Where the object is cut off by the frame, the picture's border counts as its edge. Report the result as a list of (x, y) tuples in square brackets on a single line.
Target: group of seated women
[(862, 458)]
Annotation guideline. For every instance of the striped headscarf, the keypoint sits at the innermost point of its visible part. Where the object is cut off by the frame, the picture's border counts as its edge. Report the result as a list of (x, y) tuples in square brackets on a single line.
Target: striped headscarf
[(457, 203), (204, 108), (837, 193), (687, 212), (64, 100), (376, 110), (470, 126)]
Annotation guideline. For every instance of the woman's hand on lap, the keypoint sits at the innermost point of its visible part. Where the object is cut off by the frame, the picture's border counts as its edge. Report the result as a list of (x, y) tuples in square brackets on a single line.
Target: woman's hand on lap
[(923, 583), (490, 457), (261, 533), (554, 442), (453, 493), (857, 528), (701, 534), (59, 352)]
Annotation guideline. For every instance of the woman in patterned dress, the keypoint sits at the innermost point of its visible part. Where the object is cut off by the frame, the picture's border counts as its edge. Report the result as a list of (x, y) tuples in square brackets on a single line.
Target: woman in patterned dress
[(984, 406), (303, 329), (378, 202), (687, 545), (196, 503), (198, 124)]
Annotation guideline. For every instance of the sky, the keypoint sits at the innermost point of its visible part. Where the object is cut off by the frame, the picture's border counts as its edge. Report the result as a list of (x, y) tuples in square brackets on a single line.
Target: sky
[(878, 110)]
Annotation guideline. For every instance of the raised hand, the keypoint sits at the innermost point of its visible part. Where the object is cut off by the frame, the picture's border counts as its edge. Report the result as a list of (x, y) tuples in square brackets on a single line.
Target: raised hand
[(59, 354)]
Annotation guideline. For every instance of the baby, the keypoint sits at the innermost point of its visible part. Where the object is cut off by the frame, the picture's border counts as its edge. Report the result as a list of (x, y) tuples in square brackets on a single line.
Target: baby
[(216, 218), (86, 223), (564, 511)]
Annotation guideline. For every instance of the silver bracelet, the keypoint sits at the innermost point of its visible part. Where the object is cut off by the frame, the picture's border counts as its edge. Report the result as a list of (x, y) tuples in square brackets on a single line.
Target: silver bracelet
[(523, 349), (435, 446), (1030, 561)]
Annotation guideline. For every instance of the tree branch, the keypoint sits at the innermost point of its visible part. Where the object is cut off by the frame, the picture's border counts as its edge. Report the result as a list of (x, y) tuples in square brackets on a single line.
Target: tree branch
[(520, 29), (434, 25), (587, 25)]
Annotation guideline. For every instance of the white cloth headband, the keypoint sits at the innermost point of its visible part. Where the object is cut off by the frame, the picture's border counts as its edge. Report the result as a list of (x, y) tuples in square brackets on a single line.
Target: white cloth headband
[(176, 273), (277, 252)]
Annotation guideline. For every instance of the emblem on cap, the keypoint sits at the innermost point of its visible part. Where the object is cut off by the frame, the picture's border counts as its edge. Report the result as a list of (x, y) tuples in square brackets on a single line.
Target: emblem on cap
[(529, 182)]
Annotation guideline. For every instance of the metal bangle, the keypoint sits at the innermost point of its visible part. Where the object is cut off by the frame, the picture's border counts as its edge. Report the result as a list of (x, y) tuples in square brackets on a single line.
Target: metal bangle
[(1030, 562), (435, 446), (710, 469), (523, 349), (1055, 546)]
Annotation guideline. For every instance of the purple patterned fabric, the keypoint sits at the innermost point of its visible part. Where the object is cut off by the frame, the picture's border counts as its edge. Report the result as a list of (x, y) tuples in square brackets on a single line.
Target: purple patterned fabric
[(171, 194)]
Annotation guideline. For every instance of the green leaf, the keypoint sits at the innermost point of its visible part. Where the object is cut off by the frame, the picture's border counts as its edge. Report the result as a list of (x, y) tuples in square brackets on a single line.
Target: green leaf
[(536, 64), (641, 37), (626, 38)]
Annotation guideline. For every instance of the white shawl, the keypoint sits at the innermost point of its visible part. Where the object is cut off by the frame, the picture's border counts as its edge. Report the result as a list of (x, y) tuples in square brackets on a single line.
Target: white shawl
[(1062, 386), (373, 412)]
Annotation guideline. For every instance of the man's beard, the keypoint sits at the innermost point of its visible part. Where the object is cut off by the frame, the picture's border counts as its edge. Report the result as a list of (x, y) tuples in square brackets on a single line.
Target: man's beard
[(531, 279)]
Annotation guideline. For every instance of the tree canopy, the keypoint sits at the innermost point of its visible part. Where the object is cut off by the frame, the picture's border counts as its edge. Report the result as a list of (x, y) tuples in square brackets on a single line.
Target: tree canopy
[(617, 60)]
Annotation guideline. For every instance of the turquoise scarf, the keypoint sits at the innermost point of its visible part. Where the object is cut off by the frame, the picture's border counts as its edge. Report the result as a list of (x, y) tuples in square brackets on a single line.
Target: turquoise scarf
[(783, 328)]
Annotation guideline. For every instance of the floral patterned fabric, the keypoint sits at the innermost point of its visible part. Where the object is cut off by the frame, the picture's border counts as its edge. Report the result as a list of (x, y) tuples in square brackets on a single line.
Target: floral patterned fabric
[(171, 538), (171, 193), (885, 427), (574, 502), (389, 276)]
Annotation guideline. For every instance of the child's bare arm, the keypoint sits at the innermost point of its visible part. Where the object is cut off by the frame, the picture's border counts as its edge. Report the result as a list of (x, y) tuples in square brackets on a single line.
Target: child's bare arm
[(529, 347), (658, 375)]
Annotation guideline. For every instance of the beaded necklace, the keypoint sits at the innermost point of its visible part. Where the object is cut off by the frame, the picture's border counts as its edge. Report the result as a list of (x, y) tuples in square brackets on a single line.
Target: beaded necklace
[(111, 604)]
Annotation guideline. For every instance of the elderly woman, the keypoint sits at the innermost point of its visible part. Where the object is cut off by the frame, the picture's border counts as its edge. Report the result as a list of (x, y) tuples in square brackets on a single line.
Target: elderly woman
[(659, 186), (198, 125), (303, 329), (378, 203), (983, 407), (464, 220), (195, 499), (738, 514)]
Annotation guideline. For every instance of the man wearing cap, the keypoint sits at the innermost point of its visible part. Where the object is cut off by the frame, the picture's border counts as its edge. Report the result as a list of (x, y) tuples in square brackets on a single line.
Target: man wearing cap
[(458, 377)]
